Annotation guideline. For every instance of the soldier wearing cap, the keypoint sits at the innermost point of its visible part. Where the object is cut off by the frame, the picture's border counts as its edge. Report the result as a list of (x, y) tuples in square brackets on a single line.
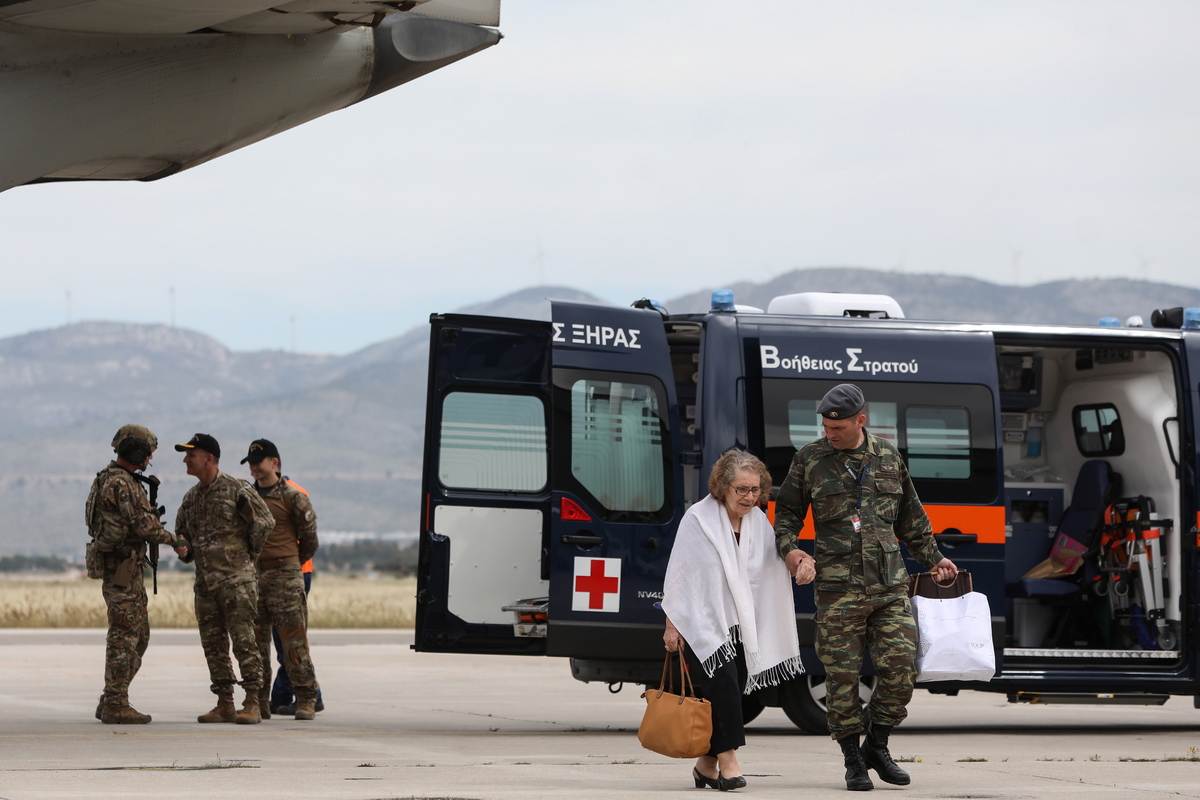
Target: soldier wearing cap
[(225, 523), (122, 522), (862, 501), (281, 597)]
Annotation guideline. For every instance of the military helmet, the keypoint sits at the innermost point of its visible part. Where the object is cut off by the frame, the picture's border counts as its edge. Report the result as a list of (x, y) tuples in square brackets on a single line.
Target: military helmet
[(132, 440)]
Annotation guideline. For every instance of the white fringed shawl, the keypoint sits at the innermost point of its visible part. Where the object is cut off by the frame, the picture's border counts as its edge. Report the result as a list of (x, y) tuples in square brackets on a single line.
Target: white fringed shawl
[(718, 593)]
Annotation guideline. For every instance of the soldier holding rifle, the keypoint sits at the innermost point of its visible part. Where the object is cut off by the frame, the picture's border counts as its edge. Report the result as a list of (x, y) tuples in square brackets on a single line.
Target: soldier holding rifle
[(121, 522)]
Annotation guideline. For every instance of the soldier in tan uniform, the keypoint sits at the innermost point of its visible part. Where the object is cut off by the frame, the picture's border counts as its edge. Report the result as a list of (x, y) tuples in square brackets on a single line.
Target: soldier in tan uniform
[(225, 523), (863, 504), (281, 599), (121, 522)]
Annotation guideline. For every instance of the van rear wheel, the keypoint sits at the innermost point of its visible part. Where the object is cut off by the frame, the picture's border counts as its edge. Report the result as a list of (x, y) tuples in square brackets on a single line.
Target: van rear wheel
[(803, 700), (751, 708)]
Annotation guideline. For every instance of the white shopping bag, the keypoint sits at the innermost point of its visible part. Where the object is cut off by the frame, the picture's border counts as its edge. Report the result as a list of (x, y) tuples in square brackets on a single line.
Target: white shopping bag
[(954, 638)]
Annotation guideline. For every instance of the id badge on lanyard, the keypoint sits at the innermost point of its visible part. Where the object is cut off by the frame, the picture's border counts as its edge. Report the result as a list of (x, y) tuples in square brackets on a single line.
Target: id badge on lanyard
[(856, 520)]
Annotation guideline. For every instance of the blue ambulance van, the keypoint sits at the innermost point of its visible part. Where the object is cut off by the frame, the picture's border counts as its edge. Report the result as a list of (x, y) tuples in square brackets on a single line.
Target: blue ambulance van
[(1057, 464)]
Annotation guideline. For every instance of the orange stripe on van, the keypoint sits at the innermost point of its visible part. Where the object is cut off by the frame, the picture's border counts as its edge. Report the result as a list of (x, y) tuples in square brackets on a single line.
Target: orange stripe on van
[(986, 522), (806, 532)]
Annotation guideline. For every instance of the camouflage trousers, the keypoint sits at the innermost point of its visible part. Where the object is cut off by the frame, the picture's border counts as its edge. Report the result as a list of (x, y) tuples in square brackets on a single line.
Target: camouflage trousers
[(848, 626), (128, 632), (282, 604), (227, 615)]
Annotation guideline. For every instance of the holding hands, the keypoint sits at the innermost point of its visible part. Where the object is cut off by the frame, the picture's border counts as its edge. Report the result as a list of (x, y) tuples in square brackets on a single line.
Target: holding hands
[(802, 567)]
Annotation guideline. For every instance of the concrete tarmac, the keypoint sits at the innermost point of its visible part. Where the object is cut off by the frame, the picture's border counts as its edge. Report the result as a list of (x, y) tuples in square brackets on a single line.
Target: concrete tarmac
[(400, 724)]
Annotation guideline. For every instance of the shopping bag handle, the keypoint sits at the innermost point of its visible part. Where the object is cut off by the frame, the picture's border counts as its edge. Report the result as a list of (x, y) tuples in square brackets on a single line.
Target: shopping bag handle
[(926, 584)]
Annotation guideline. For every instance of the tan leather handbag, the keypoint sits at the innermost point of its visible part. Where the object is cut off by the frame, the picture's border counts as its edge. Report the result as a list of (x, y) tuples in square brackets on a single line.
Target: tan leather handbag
[(676, 725)]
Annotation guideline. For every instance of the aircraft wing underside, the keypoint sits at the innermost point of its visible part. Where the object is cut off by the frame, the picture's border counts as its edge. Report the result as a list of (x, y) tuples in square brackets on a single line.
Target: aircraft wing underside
[(141, 89), (231, 16)]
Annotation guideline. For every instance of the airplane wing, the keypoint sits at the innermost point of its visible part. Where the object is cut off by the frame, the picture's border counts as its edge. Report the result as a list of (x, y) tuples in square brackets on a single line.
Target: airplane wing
[(231, 16), (141, 89)]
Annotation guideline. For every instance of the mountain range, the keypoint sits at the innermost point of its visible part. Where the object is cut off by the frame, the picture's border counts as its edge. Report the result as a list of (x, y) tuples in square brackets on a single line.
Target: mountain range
[(350, 427)]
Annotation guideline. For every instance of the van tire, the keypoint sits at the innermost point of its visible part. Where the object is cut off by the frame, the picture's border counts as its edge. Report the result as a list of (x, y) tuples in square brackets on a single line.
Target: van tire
[(751, 708), (803, 700)]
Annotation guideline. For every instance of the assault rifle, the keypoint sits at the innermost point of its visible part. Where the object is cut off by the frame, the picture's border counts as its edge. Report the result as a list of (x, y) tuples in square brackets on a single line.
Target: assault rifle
[(152, 482)]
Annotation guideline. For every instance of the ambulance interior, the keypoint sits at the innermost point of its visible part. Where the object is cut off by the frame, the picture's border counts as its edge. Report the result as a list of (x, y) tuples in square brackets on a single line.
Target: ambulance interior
[(1091, 442)]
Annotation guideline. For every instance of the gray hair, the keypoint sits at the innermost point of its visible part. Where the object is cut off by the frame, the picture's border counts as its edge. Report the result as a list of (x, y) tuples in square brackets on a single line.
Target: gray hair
[(725, 471)]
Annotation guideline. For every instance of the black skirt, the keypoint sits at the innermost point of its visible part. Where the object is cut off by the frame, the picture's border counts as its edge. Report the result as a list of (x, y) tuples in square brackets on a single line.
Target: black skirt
[(724, 691)]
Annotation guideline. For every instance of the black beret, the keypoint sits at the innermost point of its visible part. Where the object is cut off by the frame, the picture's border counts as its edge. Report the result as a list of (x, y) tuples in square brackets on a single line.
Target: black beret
[(842, 402)]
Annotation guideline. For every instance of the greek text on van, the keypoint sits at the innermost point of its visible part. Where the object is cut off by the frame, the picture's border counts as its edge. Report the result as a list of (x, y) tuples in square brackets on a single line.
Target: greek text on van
[(852, 363), (599, 335)]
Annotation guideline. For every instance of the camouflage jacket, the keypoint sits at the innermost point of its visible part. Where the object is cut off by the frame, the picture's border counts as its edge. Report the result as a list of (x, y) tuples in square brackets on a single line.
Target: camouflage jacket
[(118, 513), (225, 524), (867, 560), (295, 531)]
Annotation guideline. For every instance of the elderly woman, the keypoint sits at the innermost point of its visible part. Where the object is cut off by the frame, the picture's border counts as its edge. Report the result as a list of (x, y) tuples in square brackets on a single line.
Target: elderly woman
[(728, 599)]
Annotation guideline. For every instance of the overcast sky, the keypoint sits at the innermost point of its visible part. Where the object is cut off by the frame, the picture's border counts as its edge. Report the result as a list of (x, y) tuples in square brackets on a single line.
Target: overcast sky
[(634, 148)]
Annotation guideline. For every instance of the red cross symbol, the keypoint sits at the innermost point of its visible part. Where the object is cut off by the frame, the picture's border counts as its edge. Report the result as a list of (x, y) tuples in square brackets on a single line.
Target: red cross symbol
[(596, 585)]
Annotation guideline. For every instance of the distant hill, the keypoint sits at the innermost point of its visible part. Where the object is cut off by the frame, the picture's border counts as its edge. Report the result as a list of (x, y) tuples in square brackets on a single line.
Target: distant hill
[(959, 299), (350, 427)]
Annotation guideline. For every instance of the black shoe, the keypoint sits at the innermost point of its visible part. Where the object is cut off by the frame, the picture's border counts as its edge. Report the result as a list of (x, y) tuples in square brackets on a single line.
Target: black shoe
[(725, 784), (876, 756), (857, 779), (320, 706), (703, 780), (286, 711)]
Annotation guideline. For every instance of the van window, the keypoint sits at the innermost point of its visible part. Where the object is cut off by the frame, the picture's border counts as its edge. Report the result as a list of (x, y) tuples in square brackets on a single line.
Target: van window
[(804, 423), (492, 442), (945, 432), (939, 442), (611, 444), (1098, 430)]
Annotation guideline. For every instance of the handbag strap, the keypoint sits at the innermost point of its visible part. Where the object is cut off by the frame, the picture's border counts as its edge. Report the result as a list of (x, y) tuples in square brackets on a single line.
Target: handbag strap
[(667, 682), (685, 680)]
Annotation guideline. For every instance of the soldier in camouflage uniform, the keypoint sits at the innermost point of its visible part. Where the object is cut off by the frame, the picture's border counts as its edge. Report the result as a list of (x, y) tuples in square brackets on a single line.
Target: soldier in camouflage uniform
[(225, 523), (121, 522), (862, 499), (281, 598)]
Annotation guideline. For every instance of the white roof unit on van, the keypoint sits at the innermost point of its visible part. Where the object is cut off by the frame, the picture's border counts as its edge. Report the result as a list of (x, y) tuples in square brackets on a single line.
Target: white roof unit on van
[(837, 304)]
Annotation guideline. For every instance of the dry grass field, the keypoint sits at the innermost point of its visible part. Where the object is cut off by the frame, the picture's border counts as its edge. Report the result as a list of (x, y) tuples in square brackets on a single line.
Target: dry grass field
[(336, 601)]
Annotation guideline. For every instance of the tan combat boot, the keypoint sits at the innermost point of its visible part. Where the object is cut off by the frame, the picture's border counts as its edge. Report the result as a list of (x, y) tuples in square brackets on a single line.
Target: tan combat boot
[(117, 711), (306, 707), (249, 714), (264, 704), (225, 710)]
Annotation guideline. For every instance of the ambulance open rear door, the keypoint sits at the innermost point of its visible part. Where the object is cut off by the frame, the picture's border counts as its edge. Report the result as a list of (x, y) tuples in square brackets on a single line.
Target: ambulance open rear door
[(617, 494), (485, 485), (550, 484)]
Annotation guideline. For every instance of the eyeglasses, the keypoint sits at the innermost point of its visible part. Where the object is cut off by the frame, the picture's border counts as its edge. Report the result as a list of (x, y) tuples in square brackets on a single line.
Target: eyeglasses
[(745, 490)]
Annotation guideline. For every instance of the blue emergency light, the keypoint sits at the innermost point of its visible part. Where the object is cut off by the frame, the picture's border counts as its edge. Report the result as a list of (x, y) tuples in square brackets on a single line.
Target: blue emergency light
[(722, 300)]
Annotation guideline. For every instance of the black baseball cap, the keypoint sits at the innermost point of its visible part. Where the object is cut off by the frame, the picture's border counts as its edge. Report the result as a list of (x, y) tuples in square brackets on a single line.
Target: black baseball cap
[(260, 449), (201, 441)]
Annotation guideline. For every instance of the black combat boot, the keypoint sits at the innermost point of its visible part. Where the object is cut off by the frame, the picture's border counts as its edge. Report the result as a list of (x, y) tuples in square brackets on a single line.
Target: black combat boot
[(857, 779), (876, 756)]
